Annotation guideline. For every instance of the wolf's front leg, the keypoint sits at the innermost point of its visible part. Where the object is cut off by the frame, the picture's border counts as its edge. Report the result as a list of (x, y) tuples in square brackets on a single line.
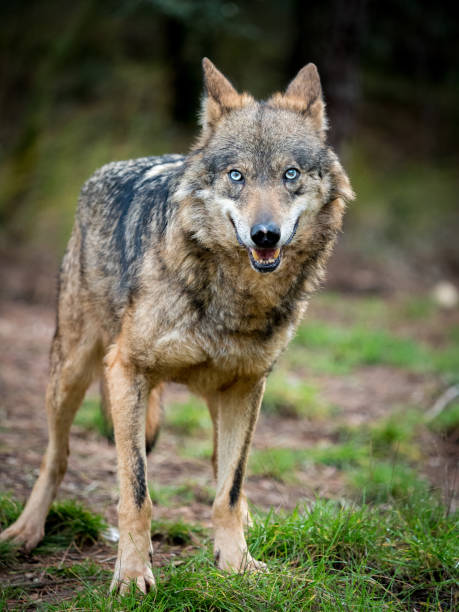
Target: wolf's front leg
[(238, 409), (128, 392)]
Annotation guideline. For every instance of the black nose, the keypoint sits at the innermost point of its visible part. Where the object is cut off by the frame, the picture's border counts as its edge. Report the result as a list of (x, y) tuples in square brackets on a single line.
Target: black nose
[(265, 235)]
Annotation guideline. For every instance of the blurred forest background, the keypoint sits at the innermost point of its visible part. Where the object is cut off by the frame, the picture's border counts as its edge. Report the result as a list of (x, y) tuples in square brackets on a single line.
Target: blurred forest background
[(90, 82)]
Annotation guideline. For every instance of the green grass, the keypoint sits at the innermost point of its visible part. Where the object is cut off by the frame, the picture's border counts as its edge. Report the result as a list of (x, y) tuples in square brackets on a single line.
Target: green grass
[(67, 522), (288, 395), (184, 493), (376, 460), (8, 554), (394, 435), (278, 463), (340, 349), (381, 481), (9, 511), (447, 422), (91, 417), (373, 311), (283, 463), (188, 417), (369, 478), (177, 533), (79, 571), (194, 448), (329, 557), (415, 309), (446, 361)]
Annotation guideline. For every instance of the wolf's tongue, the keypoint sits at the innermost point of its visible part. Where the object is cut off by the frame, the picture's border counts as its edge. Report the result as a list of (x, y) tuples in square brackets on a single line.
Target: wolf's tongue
[(265, 254)]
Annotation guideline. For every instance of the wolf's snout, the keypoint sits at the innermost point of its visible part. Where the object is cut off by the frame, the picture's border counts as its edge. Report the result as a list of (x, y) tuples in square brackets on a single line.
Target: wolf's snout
[(266, 236)]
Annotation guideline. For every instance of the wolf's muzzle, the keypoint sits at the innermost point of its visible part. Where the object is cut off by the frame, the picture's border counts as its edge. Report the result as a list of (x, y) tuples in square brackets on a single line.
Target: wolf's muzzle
[(265, 258)]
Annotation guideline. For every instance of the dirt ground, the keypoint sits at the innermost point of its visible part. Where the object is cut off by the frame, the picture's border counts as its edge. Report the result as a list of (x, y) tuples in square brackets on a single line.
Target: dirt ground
[(26, 327)]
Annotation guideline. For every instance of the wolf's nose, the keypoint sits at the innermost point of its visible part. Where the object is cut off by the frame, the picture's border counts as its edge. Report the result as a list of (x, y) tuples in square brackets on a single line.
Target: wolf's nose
[(265, 235)]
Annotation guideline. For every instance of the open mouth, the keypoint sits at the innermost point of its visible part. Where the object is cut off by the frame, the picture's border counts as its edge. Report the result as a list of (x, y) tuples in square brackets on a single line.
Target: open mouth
[(265, 260)]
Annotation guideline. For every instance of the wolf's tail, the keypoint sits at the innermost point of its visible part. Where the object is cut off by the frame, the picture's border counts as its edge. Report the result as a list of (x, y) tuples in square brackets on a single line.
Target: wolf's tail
[(153, 419)]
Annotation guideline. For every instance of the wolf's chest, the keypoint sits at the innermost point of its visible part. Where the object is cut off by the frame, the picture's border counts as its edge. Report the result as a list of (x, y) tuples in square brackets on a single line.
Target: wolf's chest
[(208, 361)]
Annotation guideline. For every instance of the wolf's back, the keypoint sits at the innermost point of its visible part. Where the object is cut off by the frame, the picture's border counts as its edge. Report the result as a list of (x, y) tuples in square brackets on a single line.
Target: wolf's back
[(123, 209)]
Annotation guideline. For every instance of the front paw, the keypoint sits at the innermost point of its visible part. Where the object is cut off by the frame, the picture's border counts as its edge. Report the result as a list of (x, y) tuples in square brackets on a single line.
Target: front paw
[(141, 576), (234, 557), (131, 566)]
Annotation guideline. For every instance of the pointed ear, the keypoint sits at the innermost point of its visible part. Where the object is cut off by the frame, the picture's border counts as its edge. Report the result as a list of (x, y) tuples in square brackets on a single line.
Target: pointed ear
[(304, 94), (220, 95), (341, 185)]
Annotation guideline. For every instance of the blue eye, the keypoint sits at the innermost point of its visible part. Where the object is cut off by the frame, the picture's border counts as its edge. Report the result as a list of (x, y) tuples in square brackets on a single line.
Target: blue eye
[(291, 174), (236, 176)]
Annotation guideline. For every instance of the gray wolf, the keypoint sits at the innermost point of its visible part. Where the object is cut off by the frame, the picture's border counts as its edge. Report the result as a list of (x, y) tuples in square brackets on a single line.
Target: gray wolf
[(195, 269)]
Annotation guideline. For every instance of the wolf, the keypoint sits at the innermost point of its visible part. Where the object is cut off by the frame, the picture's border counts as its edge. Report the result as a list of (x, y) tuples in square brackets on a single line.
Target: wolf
[(194, 269)]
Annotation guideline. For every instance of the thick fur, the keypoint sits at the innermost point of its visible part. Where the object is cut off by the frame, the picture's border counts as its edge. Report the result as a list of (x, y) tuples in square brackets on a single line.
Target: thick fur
[(158, 285)]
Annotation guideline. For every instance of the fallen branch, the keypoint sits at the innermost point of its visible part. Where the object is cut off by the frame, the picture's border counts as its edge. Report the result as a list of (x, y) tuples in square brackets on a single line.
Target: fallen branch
[(445, 398)]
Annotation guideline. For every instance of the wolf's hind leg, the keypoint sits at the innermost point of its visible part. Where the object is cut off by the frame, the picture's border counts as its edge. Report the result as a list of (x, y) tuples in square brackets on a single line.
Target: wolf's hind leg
[(238, 409), (70, 375)]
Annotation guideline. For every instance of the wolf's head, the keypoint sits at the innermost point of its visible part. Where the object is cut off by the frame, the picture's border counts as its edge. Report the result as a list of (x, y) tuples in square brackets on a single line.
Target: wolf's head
[(261, 172)]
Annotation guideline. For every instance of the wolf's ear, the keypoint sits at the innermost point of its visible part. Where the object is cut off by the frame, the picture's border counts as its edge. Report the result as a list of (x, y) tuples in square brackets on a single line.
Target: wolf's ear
[(304, 94), (220, 95)]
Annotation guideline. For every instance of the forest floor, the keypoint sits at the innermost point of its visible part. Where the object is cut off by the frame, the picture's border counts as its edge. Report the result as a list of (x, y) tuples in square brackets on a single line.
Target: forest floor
[(344, 418)]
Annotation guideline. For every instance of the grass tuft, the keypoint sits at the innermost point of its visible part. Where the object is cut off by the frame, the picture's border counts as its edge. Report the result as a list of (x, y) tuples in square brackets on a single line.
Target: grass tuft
[(278, 463), (90, 416), (383, 481), (288, 395), (177, 533), (183, 493), (189, 417), (79, 571), (67, 522)]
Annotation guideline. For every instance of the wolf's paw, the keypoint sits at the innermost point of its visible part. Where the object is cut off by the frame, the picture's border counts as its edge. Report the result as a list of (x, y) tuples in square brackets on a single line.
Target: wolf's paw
[(24, 534), (253, 565), (235, 561), (144, 581), (143, 578)]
